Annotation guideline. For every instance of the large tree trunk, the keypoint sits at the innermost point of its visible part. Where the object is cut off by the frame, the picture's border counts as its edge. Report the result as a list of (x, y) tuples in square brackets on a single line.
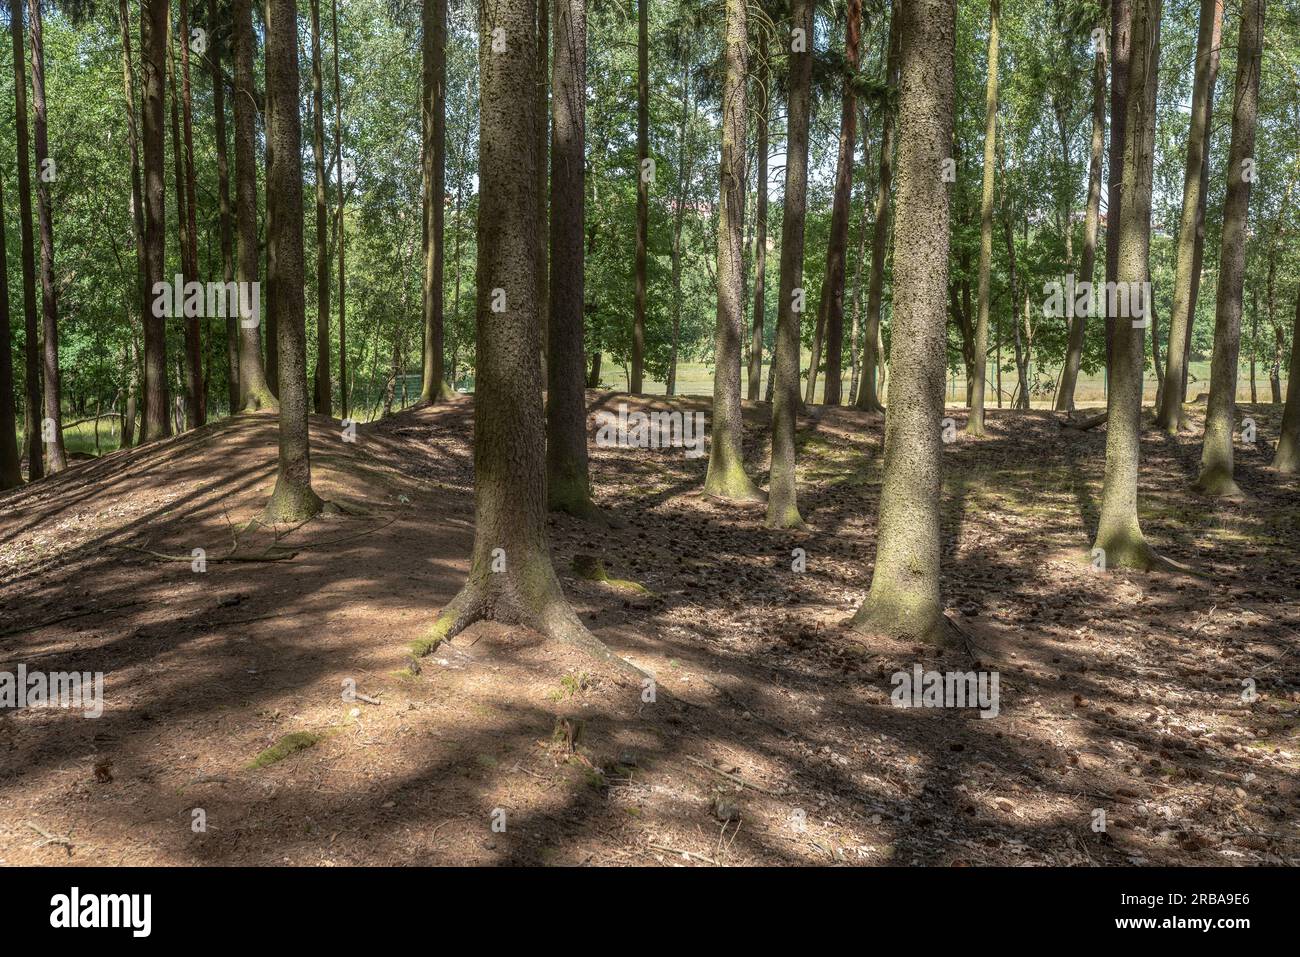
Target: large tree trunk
[(193, 337), (568, 485), (293, 499), (272, 233), (216, 53), (1220, 415), (154, 30), (855, 335), (1121, 23), (636, 383), (27, 251), (321, 390), (10, 470), (904, 599), (1078, 320), (56, 459), (726, 477), (1287, 457), (832, 297), (137, 217), (433, 46), (254, 392), (1170, 415), (1119, 534), (339, 227), (191, 373), (975, 421), (543, 176), (872, 360), (511, 578), (761, 124), (782, 501)]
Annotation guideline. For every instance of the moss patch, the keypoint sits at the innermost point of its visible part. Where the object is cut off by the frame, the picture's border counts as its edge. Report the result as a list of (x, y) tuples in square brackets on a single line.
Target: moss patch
[(287, 745)]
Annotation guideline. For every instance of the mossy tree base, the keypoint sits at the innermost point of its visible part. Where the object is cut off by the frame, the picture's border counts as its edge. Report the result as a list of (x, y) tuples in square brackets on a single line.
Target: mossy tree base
[(291, 503), (1126, 548), (529, 595), (443, 393), (261, 401), (785, 517), (1217, 482), (572, 497), (897, 615), (732, 484)]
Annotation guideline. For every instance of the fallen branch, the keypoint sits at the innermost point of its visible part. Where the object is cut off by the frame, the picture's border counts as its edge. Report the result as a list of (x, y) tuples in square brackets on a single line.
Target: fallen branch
[(735, 778), (1083, 425), (51, 838)]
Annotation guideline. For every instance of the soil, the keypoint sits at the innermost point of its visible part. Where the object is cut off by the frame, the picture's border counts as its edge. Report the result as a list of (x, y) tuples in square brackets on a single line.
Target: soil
[(771, 737)]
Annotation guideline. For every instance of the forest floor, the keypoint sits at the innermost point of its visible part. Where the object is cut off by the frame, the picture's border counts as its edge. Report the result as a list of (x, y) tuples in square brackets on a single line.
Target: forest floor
[(771, 739)]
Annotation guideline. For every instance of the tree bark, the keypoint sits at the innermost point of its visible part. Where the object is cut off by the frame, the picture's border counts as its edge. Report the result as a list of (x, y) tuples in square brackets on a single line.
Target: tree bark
[(342, 201), (196, 406), (321, 390), (511, 578), (1078, 323), (293, 499), (1170, 416), (1216, 476), (27, 251), (10, 469), (1119, 534), (904, 599), (782, 499), (684, 170), (975, 421), (726, 476), (433, 46), (868, 395), (154, 30), (272, 233), (762, 109), (1121, 23), (568, 485), (56, 459), (216, 53), (254, 392), (636, 384), (1287, 457)]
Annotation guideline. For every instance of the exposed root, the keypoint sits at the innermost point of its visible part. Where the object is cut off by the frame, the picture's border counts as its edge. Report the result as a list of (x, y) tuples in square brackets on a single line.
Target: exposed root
[(553, 619)]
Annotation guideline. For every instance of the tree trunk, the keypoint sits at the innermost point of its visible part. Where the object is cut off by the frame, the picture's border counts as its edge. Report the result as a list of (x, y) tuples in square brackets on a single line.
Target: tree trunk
[(1078, 322), (904, 599), (975, 421), (322, 392), (832, 298), (1220, 415), (137, 214), (27, 249), (254, 392), (761, 149), (11, 475), (868, 398), (1170, 415), (510, 578), (293, 499), (272, 232), (636, 384), (783, 500), (216, 53), (56, 459), (1119, 534), (1287, 457), (154, 31), (568, 485), (543, 178), (1121, 23), (433, 46), (726, 477), (196, 406), (343, 196), (191, 375), (684, 164)]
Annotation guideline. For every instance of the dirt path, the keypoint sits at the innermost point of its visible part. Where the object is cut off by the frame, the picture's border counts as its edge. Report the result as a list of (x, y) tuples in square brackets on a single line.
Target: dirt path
[(771, 738)]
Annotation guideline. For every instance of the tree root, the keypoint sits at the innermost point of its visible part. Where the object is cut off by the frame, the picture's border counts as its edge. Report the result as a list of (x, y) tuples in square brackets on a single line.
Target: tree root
[(1083, 425), (552, 618)]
